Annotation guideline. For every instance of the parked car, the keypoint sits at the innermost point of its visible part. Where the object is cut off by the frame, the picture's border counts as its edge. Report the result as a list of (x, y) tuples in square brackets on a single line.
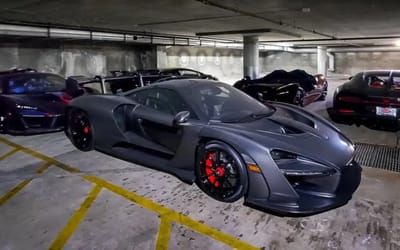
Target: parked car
[(369, 97), (279, 157), (183, 72), (82, 85), (31, 102), (150, 76), (295, 87)]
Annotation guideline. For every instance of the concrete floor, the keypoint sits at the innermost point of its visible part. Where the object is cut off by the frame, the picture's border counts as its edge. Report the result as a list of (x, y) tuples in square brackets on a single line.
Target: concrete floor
[(44, 203)]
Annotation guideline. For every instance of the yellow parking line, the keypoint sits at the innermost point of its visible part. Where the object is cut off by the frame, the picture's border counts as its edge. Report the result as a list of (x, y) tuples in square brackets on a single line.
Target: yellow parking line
[(22, 184), (163, 233), (75, 219), (14, 191), (40, 156), (168, 215), (44, 167), (172, 215), (15, 150)]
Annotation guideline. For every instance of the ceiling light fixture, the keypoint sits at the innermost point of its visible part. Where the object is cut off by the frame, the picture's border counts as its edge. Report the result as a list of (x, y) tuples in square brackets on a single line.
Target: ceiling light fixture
[(397, 43)]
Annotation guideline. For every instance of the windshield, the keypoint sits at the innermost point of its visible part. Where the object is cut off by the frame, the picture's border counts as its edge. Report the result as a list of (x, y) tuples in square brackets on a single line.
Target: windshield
[(222, 102), (35, 83)]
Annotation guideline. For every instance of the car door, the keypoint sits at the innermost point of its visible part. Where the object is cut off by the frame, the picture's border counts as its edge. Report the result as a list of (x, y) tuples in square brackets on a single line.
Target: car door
[(162, 105)]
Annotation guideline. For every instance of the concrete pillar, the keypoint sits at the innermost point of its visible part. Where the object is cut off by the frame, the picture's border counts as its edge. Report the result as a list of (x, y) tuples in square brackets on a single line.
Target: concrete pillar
[(322, 60), (162, 58), (250, 56)]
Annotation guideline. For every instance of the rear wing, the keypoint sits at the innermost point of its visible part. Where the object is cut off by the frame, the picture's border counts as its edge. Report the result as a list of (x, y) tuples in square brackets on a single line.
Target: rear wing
[(102, 85), (118, 82)]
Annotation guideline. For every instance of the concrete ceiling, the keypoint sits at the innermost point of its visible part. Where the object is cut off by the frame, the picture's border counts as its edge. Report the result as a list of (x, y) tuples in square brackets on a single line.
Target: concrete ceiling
[(322, 22)]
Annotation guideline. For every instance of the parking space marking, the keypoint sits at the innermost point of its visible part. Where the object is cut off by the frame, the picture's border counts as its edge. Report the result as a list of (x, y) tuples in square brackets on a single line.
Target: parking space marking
[(163, 233), (75, 219), (15, 150), (173, 215), (14, 191), (44, 167), (167, 215), (39, 155), (22, 184)]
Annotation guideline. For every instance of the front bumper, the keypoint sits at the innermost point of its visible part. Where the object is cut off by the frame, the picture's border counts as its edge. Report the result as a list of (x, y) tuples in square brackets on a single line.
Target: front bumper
[(29, 125), (310, 203), (33, 131)]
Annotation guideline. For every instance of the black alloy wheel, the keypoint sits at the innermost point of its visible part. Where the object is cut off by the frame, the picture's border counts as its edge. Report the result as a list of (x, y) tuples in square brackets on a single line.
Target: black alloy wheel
[(79, 130), (220, 172), (298, 99)]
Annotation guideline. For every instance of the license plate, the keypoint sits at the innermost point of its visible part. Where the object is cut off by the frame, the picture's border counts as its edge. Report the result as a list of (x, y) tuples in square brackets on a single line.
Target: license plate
[(386, 111)]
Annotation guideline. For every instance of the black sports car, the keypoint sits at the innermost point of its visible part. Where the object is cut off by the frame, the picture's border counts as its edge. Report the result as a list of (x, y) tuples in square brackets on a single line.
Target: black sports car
[(295, 87), (82, 85), (371, 98), (279, 157), (31, 102), (181, 72)]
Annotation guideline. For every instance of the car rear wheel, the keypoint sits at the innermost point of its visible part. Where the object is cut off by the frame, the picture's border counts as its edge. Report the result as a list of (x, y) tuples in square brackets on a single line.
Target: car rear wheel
[(299, 98), (79, 130), (220, 172)]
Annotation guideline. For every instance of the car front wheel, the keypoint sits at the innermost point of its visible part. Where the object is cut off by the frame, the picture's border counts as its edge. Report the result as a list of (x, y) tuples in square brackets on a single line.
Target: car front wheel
[(220, 172)]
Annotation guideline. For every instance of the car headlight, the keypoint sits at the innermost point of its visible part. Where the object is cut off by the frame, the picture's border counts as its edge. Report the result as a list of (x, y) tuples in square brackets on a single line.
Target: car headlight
[(25, 107), (294, 165)]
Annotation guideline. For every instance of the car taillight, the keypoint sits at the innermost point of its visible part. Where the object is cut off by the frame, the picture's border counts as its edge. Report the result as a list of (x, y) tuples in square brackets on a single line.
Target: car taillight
[(66, 98), (349, 99), (377, 85), (346, 111)]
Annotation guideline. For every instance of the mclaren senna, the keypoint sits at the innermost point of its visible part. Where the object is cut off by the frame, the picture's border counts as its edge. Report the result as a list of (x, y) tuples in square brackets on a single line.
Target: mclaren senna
[(279, 158)]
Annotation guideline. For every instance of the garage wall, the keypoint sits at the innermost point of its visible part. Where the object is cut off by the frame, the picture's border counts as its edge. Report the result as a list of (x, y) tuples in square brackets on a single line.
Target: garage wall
[(353, 62), (75, 58), (226, 64), (273, 60)]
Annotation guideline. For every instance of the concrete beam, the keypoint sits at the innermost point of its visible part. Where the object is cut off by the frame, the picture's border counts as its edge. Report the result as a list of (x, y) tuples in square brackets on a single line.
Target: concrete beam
[(250, 56)]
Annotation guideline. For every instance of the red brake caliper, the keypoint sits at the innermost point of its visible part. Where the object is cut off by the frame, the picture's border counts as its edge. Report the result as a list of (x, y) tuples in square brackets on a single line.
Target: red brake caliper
[(219, 170)]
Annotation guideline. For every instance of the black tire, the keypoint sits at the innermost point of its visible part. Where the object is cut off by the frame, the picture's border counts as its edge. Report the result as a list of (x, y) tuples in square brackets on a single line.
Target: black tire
[(79, 130), (299, 98), (220, 172), (322, 97)]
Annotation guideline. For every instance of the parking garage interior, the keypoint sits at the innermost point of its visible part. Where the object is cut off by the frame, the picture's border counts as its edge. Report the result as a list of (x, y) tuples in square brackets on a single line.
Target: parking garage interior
[(54, 196)]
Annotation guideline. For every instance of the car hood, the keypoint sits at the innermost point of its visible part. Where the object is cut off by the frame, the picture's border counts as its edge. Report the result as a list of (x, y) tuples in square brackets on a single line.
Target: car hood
[(47, 102), (295, 130)]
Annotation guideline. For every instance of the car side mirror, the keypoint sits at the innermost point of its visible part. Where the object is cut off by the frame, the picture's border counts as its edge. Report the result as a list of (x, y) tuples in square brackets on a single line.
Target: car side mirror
[(181, 117), (351, 77)]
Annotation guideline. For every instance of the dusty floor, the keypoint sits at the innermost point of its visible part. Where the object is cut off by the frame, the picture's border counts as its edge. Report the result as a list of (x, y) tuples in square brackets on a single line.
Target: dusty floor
[(53, 196)]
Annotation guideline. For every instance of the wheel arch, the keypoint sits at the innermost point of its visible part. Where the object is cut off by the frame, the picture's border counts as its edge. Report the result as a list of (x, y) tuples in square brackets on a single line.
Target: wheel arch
[(257, 185)]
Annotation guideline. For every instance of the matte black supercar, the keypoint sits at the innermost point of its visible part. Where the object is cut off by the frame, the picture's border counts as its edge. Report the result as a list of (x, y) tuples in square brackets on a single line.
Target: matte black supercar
[(279, 157), (294, 87), (371, 98), (31, 102)]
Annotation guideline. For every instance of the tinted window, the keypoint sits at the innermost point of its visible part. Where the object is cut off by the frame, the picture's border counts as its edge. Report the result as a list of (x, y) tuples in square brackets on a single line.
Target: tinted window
[(139, 96), (163, 100), (35, 83), (219, 101)]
